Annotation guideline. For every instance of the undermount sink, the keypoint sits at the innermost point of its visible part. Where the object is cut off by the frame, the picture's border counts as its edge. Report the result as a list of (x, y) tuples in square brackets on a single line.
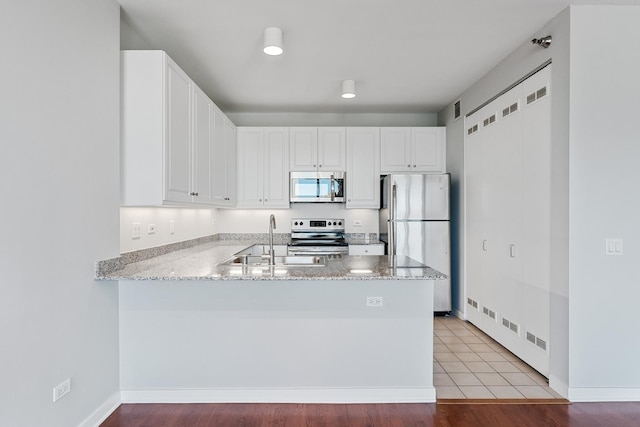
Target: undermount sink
[(254, 257)]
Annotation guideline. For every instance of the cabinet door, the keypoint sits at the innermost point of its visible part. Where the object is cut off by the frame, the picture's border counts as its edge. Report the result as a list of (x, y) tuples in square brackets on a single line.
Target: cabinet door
[(331, 149), (230, 140), (250, 167), (304, 148), (201, 188), (178, 137), (395, 143), (428, 144), (363, 168), (220, 164), (276, 158)]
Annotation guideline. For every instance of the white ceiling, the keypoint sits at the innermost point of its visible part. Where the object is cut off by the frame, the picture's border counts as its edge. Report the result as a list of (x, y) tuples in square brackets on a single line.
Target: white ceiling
[(406, 56)]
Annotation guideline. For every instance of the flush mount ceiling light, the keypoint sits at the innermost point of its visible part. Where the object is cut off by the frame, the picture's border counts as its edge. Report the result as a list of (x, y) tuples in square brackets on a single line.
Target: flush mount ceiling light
[(349, 89), (273, 41)]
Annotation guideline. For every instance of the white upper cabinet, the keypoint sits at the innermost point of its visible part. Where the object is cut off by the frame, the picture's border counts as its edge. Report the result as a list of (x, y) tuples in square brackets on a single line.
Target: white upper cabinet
[(363, 167), (317, 149), (224, 160), (202, 147), (168, 134), (263, 158), (178, 138), (417, 149)]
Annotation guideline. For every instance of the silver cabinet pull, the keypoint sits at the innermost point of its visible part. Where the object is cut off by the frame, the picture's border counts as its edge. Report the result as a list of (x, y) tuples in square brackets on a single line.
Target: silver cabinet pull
[(484, 245), (512, 251)]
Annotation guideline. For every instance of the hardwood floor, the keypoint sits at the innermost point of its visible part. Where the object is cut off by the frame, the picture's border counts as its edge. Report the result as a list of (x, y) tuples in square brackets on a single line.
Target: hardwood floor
[(387, 415)]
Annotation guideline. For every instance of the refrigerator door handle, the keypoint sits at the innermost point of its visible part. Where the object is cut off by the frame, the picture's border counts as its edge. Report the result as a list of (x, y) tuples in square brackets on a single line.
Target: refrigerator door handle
[(392, 227)]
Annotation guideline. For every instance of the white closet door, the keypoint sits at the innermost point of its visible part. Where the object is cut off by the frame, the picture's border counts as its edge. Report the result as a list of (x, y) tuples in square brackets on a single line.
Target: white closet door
[(474, 183), (536, 216)]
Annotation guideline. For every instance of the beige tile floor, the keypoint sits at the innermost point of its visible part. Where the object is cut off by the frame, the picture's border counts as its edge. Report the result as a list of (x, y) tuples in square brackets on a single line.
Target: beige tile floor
[(468, 364)]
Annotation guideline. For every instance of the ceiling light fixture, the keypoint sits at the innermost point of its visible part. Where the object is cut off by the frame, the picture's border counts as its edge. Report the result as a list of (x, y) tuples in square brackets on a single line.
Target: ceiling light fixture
[(273, 41), (349, 89)]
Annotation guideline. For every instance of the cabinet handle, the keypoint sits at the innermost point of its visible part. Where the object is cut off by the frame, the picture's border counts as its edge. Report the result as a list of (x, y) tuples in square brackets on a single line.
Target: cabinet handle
[(484, 245), (265, 200), (259, 200), (193, 193), (512, 251), (414, 166), (314, 166), (319, 166), (409, 166)]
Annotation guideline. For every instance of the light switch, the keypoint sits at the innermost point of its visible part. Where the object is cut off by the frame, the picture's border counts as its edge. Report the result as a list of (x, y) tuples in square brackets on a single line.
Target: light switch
[(613, 246)]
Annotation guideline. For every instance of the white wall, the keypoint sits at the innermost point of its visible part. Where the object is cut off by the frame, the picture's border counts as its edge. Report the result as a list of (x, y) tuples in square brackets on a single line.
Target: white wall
[(59, 126), (605, 202)]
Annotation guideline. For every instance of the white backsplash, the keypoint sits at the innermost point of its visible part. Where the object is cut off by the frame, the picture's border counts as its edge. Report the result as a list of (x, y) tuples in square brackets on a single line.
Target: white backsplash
[(256, 220), (189, 224)]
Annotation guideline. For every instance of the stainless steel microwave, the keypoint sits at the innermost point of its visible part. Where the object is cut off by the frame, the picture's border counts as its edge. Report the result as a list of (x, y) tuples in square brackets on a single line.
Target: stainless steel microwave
[(317, 187)]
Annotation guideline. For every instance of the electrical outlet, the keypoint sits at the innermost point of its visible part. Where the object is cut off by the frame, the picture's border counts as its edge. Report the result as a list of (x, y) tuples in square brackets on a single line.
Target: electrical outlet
[(136, 230), (374, 301), (357, 223), (151, 229), (172, 226), (61, 389)]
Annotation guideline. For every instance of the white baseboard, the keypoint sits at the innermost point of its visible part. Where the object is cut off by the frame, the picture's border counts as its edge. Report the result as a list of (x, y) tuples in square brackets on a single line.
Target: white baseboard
[(103, 411), (604, 394), (325, 395), (459, 314), (559, 386)]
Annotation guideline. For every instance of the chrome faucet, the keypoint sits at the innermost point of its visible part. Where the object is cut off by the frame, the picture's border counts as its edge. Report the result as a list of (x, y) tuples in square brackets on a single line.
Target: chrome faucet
[(272, 225)]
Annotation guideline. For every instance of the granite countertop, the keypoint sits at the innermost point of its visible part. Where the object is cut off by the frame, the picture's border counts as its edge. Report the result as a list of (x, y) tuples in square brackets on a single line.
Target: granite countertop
[(201, 262)]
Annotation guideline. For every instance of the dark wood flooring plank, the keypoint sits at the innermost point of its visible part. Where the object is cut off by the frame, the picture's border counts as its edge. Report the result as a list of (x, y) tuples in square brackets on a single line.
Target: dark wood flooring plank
[(389, 415)]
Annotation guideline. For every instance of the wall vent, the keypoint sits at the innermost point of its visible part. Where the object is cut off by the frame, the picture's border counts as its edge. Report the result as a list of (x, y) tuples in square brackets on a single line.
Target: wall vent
[(540, 93), (472, 129), (489, 312), (472, 303), (510, 109), (489, 120), (537, 341), (457, 111), (513, 327)]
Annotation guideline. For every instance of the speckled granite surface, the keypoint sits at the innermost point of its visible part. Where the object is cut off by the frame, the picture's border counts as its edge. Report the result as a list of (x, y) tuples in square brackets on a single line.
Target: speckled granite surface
[(201, 262)]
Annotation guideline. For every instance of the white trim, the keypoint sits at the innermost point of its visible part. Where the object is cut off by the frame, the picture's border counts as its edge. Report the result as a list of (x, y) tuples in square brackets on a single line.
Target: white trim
[(459, 314), (559, 386), (604, 394), (102, 412), (322, 395)]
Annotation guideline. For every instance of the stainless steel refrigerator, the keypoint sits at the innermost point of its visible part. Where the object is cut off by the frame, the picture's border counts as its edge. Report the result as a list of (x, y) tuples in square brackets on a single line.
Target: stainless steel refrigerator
[(414, 224)]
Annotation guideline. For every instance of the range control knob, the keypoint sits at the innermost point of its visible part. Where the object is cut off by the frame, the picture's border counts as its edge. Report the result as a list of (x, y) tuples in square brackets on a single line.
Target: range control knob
[(340, 223), (300, 222)]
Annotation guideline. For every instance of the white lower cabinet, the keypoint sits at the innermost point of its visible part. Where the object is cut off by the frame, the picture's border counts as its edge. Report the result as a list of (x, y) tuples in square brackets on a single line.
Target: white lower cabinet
[(508, 205), (168, 134), (366, 249), (363, 167), (263, 165)]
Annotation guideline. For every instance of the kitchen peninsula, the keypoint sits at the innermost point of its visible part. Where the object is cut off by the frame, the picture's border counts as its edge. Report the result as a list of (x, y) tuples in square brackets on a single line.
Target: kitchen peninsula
[(353, 330)]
